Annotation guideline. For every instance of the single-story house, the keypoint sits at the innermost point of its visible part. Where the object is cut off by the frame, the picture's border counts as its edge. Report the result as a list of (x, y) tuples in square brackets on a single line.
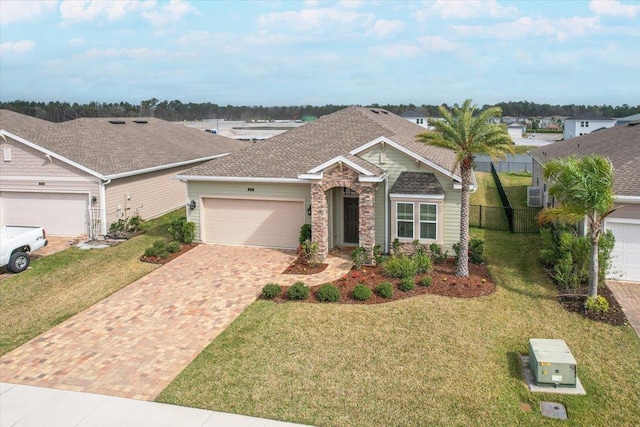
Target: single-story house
[(584, 124), (516, 130), (621, 144), (358, 176), (77, 177)]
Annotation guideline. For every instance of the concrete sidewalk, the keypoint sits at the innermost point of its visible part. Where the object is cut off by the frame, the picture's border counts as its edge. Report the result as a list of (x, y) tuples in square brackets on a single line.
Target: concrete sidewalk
[(28, 406)]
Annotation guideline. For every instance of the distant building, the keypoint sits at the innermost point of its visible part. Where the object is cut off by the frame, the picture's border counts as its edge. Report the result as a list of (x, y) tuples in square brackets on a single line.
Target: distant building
[(516, 130), (628, 119), (419, 117), (584, 124)]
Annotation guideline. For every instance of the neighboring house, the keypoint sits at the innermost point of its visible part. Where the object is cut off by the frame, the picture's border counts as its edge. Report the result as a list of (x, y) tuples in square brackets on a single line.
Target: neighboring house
[(419, 117), (628, 119), (357, 176), (621, 144), (584, 124), (516, 130), (79, 176)]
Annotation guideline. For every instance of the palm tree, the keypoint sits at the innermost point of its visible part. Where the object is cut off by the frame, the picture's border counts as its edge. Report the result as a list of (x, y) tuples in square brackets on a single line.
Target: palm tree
[(468, 133), (584, 188)]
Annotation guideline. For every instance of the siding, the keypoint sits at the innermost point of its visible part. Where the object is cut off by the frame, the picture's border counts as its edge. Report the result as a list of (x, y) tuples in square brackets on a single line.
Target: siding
[(149, 195), (397, 162), (627, 210), (197, 190)]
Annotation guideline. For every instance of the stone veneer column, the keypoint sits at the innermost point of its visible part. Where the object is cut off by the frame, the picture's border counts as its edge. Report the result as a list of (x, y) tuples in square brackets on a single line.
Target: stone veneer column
[(320, 220), (366, 222)]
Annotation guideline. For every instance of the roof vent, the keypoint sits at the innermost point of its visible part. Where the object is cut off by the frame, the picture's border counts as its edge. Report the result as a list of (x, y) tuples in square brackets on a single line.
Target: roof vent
[(374, 111), (140, 122), (117, 122), (385, 112)]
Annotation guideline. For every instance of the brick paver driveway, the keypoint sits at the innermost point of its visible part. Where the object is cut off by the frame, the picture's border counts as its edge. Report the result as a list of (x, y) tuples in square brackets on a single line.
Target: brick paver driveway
[(628, 296), (135, 342)]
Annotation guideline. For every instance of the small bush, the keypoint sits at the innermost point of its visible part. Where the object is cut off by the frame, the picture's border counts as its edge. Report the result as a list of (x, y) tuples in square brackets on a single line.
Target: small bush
[(425, 281), (305, 233), (407, 284), (182, 230), (437, 255), (157, 249), (377, 254), (299, 291), (476, 250), (271, 290), (597, 304), (395, 246), (399, 266), (358, 257), (328, 293), (310, 253), (158, 244), (422, 261), (173, 247), (385, 290), (361, 293)]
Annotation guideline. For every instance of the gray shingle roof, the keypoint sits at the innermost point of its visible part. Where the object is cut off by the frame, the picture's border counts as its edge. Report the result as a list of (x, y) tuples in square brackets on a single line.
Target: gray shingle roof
[(300, 150), (417, 183), (621, 144), (111, 149), (589, 116)]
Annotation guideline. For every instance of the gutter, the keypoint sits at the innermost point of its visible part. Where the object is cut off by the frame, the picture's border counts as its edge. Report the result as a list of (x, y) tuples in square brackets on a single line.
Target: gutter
[(103, 203), (628, 199), (240, 179)]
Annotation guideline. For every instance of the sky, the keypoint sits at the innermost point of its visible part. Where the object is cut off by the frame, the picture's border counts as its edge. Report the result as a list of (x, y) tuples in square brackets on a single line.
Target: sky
[(321, 52)]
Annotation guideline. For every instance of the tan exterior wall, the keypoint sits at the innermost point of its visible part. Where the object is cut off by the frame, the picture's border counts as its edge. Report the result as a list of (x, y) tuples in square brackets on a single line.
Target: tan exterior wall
[(397, 162), (197, 190), (149, 195), (627, 210)]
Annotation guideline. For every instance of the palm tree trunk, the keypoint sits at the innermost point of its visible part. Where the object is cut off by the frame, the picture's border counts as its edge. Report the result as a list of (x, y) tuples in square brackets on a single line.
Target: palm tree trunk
[(593, 268), (462, 268)]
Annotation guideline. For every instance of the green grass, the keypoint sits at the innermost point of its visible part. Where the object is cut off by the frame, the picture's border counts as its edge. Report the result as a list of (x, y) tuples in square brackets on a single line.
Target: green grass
[(515, 185), (487, 192), (61, 285), (427, 360), (522, 149)]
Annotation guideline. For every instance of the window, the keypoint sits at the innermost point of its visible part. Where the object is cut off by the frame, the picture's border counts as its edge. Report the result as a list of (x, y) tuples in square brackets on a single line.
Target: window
[(404, 216), (428, 221)]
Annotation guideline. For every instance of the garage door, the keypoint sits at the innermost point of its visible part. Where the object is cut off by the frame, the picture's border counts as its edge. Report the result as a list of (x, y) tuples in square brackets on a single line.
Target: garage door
[(272, 223), (626, 253), (61, 214)]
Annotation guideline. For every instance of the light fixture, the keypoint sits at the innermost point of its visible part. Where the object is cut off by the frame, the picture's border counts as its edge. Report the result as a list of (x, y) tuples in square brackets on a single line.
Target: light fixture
[(309, 210), (192, 205)]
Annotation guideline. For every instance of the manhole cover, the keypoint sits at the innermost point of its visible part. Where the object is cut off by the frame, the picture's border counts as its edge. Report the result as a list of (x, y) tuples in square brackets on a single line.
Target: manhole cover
[(553, 410)]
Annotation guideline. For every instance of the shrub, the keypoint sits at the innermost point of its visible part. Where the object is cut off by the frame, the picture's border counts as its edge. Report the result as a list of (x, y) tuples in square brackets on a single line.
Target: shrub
[(157, 249), (188, 232), (328, 293), (476, 250), (385, 290), (182, 230), (395, 246), (597, 304), (399, 266), (407, 284), (299, 291), (425, 281), (377, 254), (173, 247), (361, 293), (271, 290), (422, 262), (305, 233), (358, 257), (310, 253), (133, 223), (437, 255)]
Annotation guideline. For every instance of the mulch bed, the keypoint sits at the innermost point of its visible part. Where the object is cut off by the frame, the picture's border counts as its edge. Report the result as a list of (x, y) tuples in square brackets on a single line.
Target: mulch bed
[(575, 304), (444, 282), (301, 267), (155, 260)]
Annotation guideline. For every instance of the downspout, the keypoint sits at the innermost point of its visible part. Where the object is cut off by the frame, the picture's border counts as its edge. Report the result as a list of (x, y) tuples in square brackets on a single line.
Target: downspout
[(386, 214), (103, 208)]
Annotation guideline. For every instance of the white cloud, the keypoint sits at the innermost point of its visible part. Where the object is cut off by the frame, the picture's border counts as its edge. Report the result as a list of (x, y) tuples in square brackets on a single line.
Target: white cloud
[(316, 19), (22, 46), (21, 11), (385, 28), (614, 8), (396, 50), (560, 29), (447, 9), (77, 41), (352, 4), (170, 13), (436, 44), (131, 53), (90, 10)]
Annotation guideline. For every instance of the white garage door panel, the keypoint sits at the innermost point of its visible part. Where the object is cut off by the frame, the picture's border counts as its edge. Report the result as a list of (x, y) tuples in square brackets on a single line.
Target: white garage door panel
[(61, 214), (272, 223), (626, 253)]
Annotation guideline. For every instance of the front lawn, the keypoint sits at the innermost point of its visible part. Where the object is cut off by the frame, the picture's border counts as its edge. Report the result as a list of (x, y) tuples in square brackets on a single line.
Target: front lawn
[(61, 285), (428, 360)]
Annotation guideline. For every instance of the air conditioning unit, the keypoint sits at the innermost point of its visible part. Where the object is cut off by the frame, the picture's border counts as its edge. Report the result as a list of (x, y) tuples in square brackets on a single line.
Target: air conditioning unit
[(534, 197), (552, 363)]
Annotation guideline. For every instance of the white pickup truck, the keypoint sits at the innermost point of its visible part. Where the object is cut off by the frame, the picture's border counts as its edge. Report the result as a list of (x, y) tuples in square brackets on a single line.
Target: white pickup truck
[(15, 244)]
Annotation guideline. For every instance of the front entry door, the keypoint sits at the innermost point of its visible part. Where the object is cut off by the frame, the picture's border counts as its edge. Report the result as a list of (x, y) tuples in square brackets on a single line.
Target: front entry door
[(351, 217)]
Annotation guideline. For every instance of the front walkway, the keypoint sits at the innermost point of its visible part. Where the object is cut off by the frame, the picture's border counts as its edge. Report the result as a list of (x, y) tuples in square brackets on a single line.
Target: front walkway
[(628, 296), (135, 342)]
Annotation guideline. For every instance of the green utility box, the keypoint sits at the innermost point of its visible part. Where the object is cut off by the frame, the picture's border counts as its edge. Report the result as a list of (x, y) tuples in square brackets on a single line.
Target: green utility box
[(552, 363)]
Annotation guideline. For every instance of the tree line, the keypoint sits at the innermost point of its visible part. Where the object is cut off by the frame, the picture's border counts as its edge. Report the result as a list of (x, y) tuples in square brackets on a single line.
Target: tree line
[(56, 111)]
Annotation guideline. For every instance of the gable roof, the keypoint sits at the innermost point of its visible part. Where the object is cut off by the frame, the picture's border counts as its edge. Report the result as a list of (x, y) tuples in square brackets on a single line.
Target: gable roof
[(417, 183), (108, 149), (621, 144), (414, 113), (589, 116), (295, 152)]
